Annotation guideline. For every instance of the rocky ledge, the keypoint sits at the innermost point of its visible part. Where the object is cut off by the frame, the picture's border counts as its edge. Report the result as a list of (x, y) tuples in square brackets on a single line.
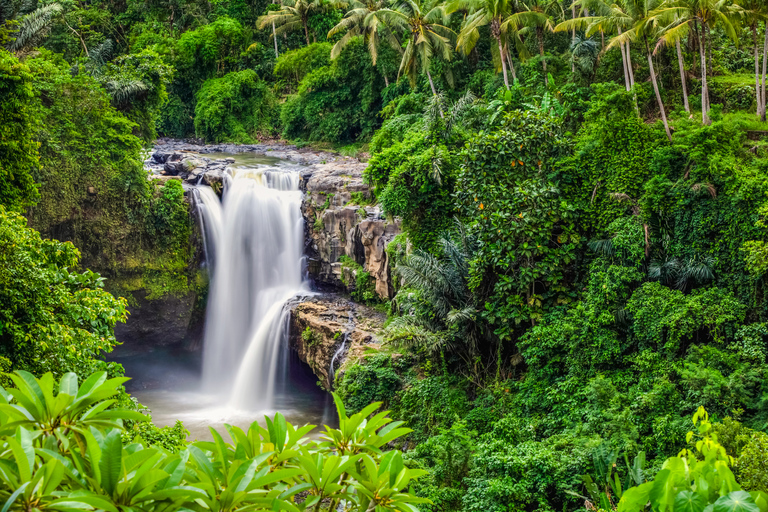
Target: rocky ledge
[(330, 332)]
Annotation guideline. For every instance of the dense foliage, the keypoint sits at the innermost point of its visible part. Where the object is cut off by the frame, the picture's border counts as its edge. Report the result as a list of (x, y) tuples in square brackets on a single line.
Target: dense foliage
[(64, 450), (582, 269)]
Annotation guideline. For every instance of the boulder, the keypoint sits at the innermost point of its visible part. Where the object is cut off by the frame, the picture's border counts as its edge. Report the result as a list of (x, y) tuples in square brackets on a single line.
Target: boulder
[(337, 226), (330, 325)]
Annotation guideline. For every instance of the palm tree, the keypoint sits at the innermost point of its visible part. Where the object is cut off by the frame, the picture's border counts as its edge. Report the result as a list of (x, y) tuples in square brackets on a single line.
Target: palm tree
[(362, 19), (756, 11), (425, 22), (34, 25), (607, 18), (536, 16), (440, 283), (481, 14), (292, 17), (705, 14), (644, 25)]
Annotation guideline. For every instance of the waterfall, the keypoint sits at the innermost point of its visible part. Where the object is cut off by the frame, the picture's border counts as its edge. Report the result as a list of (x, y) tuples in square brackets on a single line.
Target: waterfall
[(258, 248), (208, 210)]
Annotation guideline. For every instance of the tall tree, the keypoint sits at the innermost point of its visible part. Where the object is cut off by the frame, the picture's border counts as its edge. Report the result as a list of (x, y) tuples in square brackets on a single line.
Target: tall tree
[(607, 18), (293, 16), (703, 15), (426, 24), (362, 19), (481, 13), (755, 13), (536, 16), (645, 26)]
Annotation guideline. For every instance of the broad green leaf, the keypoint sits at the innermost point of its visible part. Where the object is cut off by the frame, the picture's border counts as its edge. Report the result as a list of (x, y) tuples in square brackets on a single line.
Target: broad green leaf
[(736, 501), (689, 501)]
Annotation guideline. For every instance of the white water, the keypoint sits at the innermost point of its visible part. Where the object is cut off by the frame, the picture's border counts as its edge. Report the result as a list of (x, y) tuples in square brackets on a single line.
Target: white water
[(257, 239)]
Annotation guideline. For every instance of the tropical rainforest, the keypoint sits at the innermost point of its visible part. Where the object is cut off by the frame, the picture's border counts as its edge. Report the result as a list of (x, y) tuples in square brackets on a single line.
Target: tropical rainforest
[(581, 309)]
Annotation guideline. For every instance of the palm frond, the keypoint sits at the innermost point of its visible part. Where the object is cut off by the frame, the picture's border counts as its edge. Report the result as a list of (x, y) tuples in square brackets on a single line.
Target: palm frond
[(34, 25)]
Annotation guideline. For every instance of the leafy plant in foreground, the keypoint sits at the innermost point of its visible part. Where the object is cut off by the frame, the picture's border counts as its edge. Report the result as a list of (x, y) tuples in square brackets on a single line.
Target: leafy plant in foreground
[(61, 449)]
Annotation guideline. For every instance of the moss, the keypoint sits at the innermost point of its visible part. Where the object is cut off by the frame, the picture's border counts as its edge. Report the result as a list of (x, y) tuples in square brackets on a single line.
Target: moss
[(365, 284), (310, 337)]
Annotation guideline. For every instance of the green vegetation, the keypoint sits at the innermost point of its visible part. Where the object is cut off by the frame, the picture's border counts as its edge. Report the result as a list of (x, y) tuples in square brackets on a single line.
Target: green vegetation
[(583, 268), (64, 450)]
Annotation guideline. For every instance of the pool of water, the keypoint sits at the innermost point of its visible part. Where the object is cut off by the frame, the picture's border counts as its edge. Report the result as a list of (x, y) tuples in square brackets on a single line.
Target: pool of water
[(167, 381)]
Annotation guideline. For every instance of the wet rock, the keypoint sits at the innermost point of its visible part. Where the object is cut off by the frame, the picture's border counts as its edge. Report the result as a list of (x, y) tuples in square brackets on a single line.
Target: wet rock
[(327, 326), (337, 227), (158, 322)]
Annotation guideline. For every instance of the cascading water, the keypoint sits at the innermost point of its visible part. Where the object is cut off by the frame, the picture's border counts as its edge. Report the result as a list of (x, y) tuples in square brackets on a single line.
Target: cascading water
[(208, 210), (257, 267)]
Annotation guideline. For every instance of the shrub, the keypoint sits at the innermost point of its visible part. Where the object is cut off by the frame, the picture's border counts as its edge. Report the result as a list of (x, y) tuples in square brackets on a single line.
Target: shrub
[(18, 150), (235, 108), (63, 450)]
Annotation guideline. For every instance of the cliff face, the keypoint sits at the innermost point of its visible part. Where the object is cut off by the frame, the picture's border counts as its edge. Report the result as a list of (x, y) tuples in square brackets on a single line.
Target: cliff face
[(340, 222), (329, 331)]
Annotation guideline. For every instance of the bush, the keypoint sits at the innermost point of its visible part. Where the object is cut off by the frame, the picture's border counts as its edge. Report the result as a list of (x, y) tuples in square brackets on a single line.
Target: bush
[(53, 318), (18, 150), (63, 450), (336, 103), (293, 66), (235, 108)]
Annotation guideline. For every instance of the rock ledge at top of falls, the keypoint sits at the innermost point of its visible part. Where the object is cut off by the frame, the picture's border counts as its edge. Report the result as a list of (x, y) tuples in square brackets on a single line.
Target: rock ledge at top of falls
[(324, 326), (335, 225)]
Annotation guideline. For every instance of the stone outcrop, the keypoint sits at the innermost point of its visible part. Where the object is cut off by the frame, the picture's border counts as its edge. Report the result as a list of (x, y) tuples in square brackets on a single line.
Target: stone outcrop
[(330, 325), (337, 226), (162, 321)]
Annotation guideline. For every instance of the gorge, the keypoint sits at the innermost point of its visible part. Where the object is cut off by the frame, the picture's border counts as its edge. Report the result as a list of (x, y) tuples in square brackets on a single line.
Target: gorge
[(275, 226)]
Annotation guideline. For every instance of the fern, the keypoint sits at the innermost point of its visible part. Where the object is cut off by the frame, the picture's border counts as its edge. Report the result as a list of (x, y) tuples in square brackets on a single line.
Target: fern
[(34, 25)]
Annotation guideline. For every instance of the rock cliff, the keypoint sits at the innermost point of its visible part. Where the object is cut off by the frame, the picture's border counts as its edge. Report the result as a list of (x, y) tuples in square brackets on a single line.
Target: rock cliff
[(340, 221), (329, 331)]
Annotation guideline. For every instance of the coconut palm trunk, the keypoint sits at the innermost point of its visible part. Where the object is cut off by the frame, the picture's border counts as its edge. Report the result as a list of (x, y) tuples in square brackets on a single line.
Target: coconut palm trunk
[(573, 37), (431, 83), (511, 64), (503, 63), (758, 90), (629, 66), (540, 37), (681, 64), (656, 90), (704, 87), (306, 31), (624, 63), (274, 36), (765, 70)]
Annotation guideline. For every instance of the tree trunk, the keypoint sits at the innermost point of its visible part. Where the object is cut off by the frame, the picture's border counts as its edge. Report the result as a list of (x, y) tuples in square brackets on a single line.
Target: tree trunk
[(624, 64), (602, 40), (511, 64), (704, 89), (431, 83), (758, 92), (540, 37), (629, 67), (708, 44), (573, 38), (386, 81), (306, 31), (434, 92), (765, 70), (274, 36), (503, 63), (681, 63), (656, 90)]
